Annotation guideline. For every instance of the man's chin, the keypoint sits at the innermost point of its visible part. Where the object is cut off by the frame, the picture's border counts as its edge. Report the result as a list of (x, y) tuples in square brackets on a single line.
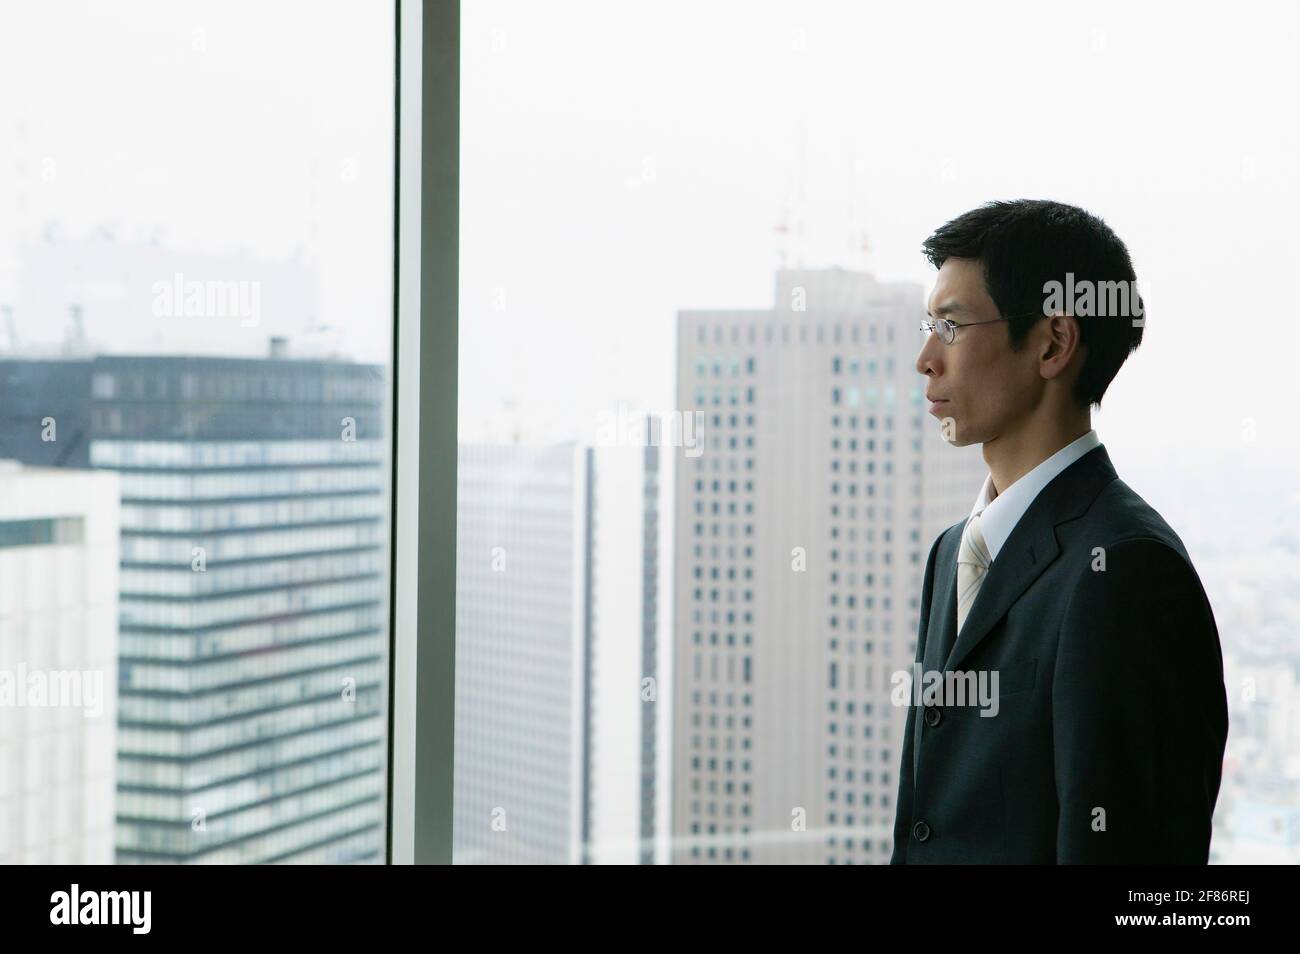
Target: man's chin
[(952, 433)]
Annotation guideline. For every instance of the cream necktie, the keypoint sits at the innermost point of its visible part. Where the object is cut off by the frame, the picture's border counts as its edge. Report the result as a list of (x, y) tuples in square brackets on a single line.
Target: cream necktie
[(972, 566)]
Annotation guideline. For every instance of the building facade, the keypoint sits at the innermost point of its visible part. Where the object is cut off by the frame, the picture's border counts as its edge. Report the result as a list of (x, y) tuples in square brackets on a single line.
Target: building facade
[(521, 542), (252, 666), (58, 665)]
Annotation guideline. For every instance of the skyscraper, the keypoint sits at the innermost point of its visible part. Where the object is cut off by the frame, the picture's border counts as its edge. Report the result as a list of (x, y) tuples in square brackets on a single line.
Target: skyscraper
[(521, 543), (58, 665), (802, 533), (652, 621), (622, 700), (556, 606), (253, 594)]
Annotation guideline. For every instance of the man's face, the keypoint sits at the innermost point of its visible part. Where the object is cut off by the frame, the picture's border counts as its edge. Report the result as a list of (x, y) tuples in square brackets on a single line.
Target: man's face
[(987, 389)]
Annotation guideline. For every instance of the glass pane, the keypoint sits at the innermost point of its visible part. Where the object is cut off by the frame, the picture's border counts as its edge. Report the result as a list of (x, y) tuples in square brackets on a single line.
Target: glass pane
[(677, 646), (195, 281)]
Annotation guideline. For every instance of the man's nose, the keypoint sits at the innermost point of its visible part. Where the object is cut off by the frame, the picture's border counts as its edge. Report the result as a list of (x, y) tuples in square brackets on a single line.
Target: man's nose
[(930, 360)]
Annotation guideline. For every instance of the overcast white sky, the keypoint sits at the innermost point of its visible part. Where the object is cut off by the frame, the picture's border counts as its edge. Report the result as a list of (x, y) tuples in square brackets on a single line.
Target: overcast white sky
[(215, 127), (1172, 123), (625, 160)]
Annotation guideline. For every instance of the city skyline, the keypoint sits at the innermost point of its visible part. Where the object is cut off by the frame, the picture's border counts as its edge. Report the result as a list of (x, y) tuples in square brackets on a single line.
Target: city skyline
[(602, 226)]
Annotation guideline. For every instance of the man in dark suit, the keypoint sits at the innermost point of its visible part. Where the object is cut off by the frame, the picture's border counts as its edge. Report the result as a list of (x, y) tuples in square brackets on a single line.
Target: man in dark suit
[(1102, 739)]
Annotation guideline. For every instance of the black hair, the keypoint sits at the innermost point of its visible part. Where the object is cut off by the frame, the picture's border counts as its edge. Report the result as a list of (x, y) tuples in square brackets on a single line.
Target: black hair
[(1025, 244)]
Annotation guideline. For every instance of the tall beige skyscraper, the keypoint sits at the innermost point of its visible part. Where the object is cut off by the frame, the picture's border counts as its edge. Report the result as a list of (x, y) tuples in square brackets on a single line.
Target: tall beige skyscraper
[(802, 531)]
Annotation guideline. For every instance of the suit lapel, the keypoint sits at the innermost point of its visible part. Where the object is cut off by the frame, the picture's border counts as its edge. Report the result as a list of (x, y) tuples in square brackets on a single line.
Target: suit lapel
[(1018, 564), (943, 617), (1029, 550), (943, 627)]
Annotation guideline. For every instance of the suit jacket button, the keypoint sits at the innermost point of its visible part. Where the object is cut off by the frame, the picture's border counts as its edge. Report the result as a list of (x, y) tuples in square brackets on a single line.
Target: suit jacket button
[(921, 830), (932, 715)]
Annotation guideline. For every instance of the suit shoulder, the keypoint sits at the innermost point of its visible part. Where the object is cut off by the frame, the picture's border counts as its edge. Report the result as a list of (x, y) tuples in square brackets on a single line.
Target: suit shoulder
[(1120, 515)]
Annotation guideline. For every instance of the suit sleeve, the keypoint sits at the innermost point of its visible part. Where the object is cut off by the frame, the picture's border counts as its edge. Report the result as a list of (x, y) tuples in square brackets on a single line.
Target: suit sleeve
[(1139, 712), (903, 803)]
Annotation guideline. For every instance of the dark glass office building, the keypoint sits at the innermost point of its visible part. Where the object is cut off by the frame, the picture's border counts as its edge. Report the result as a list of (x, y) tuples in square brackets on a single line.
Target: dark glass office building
[(253, 604)]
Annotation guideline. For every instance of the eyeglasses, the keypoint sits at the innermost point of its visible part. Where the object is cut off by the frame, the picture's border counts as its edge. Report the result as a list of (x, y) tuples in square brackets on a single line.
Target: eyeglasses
[(947, 329)]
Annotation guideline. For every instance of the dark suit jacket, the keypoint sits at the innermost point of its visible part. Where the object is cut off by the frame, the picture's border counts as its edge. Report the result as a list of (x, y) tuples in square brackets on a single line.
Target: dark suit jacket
[(1112, 716)]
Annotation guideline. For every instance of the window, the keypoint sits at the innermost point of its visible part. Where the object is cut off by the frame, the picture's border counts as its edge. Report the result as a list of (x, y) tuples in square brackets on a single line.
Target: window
[(194, 400), (561, 390)]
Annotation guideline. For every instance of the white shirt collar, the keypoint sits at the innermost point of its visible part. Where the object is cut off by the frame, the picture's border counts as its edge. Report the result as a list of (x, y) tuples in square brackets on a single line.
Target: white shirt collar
[(1003, 511)]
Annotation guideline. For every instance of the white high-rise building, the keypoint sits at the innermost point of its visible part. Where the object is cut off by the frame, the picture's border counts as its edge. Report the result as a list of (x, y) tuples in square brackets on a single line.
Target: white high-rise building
[(58, 664), (802, 535), (520, 625), (623, 712), (557, 629)]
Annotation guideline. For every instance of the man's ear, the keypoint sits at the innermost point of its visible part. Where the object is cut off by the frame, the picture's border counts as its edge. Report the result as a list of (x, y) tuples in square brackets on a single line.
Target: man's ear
[(1059, 344)]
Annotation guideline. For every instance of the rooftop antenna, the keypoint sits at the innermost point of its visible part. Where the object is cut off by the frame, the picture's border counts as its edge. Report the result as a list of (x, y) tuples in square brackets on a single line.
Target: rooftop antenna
[(782, 231), (858, 243), (790, 229), (76, 331), (801, 200)]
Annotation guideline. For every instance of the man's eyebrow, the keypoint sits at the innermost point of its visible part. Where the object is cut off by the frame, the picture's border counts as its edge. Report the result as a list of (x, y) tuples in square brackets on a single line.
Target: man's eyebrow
[(948, 307)]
